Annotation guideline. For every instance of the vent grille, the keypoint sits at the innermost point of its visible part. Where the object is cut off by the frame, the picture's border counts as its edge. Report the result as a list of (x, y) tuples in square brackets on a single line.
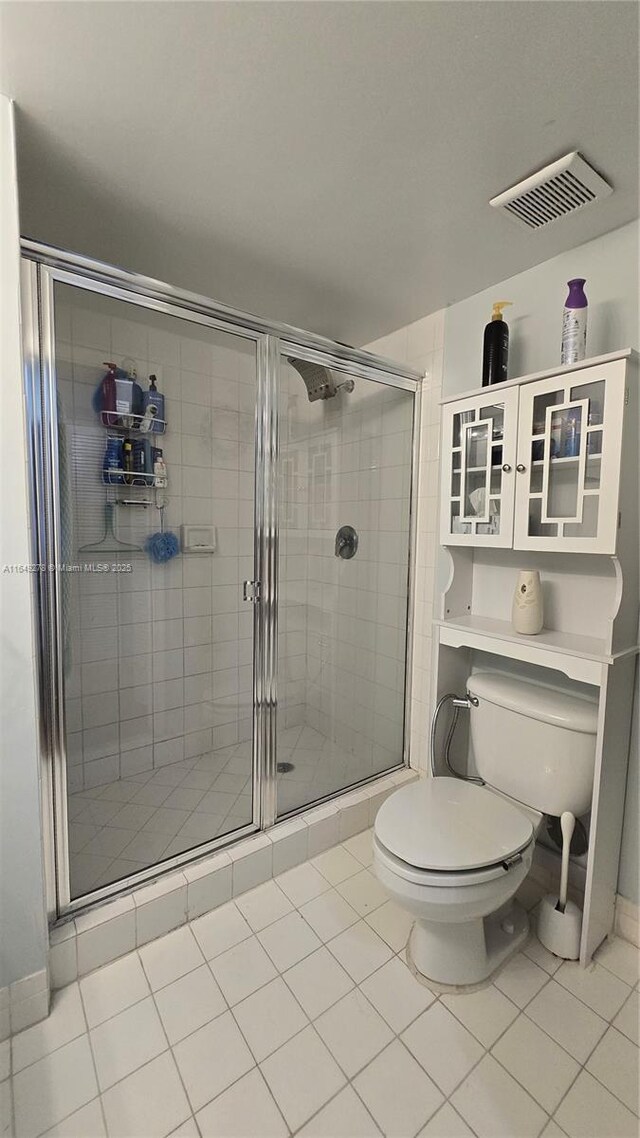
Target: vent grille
[(562, 188)]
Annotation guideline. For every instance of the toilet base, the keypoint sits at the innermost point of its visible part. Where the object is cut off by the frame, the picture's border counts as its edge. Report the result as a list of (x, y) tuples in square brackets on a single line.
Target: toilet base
[(467, 953)]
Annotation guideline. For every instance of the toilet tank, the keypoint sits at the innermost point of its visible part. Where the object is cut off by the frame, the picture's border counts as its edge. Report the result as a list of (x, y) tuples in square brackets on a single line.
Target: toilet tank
[(533, 743)]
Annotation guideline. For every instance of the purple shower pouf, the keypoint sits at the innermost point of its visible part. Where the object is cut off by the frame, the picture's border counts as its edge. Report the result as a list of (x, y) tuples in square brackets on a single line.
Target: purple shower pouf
[(162, 546)]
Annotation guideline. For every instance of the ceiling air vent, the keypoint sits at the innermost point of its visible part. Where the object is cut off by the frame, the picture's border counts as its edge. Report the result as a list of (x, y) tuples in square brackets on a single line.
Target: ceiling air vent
[(560, 189)]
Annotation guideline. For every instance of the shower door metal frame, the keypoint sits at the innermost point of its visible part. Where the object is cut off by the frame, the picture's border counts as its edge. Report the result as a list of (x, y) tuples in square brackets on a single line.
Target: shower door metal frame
[(42, 267), (41, 402), (411, 382)]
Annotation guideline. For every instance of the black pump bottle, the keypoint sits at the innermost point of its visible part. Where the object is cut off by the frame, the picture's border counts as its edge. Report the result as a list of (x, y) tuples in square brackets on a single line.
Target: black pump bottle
[(495, 355)]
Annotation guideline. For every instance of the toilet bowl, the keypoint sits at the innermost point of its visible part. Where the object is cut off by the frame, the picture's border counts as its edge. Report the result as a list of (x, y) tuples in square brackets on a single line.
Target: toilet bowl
[(454, 854)]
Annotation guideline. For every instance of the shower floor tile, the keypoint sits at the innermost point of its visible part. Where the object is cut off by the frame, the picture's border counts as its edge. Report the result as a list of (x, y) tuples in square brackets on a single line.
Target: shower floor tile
[(270, 1032), (171, 809)]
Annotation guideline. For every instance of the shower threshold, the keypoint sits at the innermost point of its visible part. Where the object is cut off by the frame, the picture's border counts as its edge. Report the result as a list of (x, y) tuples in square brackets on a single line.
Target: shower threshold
[(131, 824), (107, 930)]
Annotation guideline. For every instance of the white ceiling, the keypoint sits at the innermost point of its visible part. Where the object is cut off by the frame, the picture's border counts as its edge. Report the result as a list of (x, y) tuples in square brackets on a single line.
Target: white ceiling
[(327, 164)]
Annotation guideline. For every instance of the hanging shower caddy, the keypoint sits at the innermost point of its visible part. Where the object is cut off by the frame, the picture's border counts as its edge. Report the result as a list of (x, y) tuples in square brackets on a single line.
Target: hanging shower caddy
[(122, 428)]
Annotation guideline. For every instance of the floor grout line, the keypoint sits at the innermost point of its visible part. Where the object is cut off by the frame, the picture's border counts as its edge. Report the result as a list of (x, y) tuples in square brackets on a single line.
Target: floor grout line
[(323, 944), (396, 1035), (311, 1022), (594, 1076), (95, 1066), (170, 1047), (258, 1064)]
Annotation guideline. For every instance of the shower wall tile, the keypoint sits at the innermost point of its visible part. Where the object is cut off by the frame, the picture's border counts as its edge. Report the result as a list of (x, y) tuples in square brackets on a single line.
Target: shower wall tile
[(94, 678), (134, 761), (181, 630), (136, 702), (136, 732), (144, 632), (169, 750), (168, 694), (167, 665), (133, 671), (197, 743), (339, 466), (168, 724), (100, 741), (100, 771)]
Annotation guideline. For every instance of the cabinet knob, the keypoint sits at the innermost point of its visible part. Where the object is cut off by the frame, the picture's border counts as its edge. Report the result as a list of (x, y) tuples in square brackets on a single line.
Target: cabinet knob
[(521, 468), (506, 468)]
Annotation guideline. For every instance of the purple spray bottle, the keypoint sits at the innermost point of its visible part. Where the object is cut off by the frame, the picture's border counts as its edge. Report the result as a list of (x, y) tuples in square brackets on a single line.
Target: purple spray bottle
[(574, 323)]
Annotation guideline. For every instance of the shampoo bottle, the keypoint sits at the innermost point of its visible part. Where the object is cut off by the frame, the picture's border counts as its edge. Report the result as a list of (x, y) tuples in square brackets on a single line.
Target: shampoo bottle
[(154, 398), (495, 356), (574, 323), (107, 397), (127, 461), (112, 462)]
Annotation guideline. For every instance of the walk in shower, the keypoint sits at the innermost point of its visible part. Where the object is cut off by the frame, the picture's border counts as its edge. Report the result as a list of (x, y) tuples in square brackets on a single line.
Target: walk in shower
[(224, 581)]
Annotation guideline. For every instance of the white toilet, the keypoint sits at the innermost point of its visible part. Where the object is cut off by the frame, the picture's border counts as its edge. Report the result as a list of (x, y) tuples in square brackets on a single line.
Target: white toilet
[(454, 853)]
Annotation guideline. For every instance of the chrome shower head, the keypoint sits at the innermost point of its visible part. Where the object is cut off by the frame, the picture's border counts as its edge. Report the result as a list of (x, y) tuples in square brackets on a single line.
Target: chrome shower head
[(319, 381)]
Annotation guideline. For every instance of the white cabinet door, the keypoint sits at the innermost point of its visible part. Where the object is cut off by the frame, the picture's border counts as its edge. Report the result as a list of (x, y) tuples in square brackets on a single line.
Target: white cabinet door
[(478, 469), (568, 469)]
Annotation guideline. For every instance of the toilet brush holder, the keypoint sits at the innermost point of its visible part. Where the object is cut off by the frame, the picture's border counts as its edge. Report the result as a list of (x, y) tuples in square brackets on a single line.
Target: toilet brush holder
[(560, 932)]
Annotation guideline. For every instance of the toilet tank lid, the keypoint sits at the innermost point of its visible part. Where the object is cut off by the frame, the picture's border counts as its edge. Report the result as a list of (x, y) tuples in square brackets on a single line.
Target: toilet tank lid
[(536, 702)]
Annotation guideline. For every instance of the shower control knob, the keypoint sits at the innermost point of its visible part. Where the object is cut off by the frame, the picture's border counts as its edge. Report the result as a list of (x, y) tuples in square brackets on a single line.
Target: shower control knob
[(506, 468), (346, 545), (521, 468)]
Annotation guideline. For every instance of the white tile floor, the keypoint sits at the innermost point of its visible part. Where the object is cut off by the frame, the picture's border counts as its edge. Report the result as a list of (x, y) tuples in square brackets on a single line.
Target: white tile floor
[(124, 826), (291, 1010)]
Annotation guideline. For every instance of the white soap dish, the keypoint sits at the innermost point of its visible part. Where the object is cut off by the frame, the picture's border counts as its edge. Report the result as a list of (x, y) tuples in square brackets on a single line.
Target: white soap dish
[(198, 539)]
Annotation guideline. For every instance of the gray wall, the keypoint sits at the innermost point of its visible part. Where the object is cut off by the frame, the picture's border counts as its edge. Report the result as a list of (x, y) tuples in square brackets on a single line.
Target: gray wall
[(22, 916), (629, 875), (610, 265)]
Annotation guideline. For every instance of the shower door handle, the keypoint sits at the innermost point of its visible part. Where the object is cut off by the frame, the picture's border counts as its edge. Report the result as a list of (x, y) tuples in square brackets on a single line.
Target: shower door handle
[(251, 591)]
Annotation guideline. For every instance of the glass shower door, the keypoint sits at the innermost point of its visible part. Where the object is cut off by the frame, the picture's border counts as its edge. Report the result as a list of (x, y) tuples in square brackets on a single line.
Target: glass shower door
[(156, 537), (344, 529)]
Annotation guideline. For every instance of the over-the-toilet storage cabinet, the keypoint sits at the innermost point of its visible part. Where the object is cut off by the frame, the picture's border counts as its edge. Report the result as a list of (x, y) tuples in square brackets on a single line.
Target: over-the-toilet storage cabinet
[(536, 473), (506, 481)]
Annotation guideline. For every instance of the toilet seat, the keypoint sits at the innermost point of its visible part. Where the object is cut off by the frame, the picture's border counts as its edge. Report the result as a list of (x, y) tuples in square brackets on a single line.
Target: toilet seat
[(451, 831), (443, 879)]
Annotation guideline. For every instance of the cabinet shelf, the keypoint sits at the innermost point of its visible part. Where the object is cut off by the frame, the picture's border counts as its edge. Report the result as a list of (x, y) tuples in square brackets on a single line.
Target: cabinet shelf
[(477, 469), (566, 460), (580, 657)]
